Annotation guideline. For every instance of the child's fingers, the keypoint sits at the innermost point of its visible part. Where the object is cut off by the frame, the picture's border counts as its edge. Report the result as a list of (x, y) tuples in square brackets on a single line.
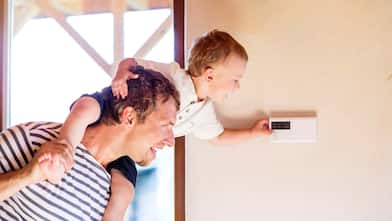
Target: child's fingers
[(45, 169), (124, 91), (267, 132), (66, 158), (62, 165), (115, 94), (56, 170), (264, 122), (51, 170), (43, 157), (115, 89), (132, 75), (63, 151)]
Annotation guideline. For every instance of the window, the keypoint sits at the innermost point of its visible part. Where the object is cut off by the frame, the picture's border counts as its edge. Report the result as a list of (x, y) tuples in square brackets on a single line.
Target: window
[(55, 60)]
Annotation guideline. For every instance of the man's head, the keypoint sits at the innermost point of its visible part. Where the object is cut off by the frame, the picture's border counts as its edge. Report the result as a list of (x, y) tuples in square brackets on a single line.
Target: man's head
[(220, 61), (147, 115)]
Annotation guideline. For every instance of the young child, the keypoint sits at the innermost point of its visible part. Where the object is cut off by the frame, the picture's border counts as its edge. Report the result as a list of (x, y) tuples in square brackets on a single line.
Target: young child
[(217, 63)]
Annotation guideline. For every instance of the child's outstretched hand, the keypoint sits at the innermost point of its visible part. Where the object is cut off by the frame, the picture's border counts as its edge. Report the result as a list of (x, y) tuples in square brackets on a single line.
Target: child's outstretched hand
[(119, 82), (261, 127), (55, 160)]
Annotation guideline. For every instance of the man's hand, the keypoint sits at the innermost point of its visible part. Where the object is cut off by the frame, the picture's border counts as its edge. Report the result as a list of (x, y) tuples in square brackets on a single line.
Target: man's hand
[(261, 127), (119, 82), (55, 158)]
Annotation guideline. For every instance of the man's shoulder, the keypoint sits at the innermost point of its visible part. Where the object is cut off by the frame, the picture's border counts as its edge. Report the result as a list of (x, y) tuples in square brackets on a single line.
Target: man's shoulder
[(38, 132), (19, 143), (36, 126)]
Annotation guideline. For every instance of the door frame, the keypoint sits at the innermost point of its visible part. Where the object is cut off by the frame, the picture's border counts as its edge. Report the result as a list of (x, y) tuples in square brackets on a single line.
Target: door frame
[(179, 150)]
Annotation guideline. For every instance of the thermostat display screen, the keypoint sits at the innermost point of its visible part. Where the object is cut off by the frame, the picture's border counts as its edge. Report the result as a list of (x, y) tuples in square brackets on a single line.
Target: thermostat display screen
[(280, 125)]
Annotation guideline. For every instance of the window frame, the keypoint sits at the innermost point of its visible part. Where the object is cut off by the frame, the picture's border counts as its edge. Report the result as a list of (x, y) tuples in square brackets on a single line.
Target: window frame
[(5, 45)]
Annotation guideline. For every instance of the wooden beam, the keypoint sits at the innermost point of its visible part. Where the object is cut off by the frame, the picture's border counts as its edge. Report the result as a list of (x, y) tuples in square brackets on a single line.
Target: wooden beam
[(61, 20), (23, 12), (118, 9), (155, 37), (105, 6), (179, 150), (100, 6), (156, 4)]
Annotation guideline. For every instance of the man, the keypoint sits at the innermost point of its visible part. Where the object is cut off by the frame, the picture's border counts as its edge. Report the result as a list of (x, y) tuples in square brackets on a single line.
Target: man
[(134, 127)]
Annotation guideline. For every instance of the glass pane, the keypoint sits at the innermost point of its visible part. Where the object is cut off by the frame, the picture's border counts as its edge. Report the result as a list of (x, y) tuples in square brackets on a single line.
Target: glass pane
[(49, 70)]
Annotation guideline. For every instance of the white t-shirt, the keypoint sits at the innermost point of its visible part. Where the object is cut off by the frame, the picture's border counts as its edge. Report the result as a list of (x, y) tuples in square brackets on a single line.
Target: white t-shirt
[(194, 117)]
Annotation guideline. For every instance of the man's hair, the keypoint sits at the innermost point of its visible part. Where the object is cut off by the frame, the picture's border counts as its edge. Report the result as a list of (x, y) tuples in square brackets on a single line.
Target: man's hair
[(144, 93), (214, 46)]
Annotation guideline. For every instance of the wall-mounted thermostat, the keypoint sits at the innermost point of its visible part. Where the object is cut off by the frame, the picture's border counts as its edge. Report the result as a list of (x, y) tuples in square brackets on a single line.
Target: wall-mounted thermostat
[(293, 129)]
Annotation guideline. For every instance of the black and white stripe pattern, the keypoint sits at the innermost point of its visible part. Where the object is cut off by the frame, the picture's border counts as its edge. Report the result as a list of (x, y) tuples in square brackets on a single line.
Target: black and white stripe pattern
[(81, 195)]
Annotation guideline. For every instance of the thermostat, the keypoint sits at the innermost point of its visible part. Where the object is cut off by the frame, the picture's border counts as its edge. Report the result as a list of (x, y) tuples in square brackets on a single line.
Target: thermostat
[(293, 129)]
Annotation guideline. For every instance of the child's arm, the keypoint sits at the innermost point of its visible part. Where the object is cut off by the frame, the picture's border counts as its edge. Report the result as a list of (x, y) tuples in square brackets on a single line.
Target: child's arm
[(235, 136), (119, 82), (85, 111), (121, 196)]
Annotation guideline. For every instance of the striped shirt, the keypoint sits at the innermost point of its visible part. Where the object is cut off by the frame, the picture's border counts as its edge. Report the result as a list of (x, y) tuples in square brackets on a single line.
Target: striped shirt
[(81, 195)]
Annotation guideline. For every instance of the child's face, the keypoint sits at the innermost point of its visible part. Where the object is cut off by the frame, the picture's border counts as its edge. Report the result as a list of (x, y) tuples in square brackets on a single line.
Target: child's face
[(223, 78)]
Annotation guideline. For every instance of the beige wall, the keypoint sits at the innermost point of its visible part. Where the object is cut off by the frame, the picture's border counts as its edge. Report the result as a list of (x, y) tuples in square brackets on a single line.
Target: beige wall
[(333, 57)]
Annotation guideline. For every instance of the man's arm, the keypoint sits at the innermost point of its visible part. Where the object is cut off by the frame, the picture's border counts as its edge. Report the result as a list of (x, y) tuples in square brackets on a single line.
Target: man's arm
[(122, 192), (36, 171), (235, 136), (12, 182)]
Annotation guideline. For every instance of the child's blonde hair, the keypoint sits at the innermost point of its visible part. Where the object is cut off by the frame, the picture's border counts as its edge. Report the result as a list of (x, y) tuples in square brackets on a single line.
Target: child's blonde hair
[(214, 46)]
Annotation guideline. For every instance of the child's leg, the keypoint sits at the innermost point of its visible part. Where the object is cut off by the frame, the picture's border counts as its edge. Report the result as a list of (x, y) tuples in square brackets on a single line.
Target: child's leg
[(122, 192)]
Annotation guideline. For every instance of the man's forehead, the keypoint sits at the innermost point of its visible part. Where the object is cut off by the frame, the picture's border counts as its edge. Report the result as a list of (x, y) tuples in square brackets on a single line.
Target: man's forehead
[(166, 109)]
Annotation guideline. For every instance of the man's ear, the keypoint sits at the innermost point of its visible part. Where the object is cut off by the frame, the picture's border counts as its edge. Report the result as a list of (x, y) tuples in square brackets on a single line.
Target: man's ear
[(128, 116)]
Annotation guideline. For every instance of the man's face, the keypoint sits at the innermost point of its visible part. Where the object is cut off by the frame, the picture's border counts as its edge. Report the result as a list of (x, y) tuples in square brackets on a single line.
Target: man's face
[(156, 131), (224, 77)]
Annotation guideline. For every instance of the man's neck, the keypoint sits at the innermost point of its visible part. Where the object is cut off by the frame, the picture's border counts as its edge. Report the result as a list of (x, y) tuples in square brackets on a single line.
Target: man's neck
[(104, 143)]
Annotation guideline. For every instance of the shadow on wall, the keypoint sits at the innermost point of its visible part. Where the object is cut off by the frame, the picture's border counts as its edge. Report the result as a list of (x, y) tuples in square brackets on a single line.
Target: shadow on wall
[(300, 113), (249, 120), (242, 122)]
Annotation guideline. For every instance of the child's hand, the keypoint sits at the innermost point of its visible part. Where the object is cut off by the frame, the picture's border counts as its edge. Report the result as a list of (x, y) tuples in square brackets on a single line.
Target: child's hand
[(261, 127), (119, 82), (55, 159)]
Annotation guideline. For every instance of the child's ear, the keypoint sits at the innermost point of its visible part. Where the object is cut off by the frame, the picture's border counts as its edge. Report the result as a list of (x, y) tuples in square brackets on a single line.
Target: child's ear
[(128, 117), (209, 73)]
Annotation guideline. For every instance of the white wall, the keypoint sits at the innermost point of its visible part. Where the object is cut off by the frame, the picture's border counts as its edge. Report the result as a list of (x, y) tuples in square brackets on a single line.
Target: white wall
[(333, 57)]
